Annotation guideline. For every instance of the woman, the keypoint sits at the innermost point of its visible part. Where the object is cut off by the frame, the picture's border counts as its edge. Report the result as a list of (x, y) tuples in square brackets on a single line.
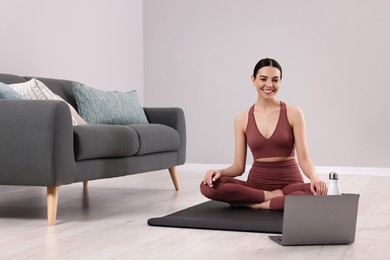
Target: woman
[(273, 131)]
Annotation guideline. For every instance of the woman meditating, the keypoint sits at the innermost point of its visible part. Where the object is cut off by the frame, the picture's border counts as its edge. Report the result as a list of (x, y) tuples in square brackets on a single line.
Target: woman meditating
[(273, 131)]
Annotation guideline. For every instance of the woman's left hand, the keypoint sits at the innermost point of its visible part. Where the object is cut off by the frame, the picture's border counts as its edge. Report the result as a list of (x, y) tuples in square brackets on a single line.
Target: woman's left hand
[(318, 187)]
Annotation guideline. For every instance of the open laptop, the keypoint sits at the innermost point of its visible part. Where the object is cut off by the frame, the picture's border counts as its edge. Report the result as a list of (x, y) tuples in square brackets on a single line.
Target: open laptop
[(319, 220)]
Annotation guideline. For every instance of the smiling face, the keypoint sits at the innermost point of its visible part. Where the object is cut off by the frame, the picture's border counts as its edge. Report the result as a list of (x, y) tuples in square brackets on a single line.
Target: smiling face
[(267, 81)]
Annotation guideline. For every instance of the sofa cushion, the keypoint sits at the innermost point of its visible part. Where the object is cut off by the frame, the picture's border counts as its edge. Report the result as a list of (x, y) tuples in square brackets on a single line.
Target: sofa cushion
[(36, 90), (155, 138), (60, 87), (104, 141), (8, 93), (108, 107)]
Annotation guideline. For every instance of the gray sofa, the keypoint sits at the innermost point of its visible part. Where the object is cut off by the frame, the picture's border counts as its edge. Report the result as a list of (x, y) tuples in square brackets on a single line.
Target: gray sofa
[(39, 146)]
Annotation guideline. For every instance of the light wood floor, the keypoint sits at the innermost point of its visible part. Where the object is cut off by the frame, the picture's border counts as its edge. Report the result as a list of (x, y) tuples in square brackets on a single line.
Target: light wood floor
[(110, 222)]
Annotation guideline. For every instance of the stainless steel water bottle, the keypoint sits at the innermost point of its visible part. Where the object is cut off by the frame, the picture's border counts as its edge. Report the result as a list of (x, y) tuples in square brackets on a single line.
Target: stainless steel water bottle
[(334, 188)]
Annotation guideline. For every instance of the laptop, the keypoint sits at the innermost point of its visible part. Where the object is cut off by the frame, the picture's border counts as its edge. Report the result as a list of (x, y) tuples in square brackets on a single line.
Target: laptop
[(319, 220)]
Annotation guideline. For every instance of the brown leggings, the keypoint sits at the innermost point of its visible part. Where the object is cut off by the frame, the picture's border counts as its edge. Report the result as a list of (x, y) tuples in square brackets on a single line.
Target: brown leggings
[(284, 175)]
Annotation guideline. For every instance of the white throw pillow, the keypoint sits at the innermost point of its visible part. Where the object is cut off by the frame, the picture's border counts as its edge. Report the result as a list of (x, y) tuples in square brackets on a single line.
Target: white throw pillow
[(36, 90)]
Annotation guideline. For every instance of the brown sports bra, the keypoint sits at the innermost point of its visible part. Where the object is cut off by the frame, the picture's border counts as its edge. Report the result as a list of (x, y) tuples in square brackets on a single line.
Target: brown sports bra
[(280, 144)]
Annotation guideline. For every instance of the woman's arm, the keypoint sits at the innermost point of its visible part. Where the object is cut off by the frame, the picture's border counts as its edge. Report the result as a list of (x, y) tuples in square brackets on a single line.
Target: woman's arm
[(238, 166), (299, 127)]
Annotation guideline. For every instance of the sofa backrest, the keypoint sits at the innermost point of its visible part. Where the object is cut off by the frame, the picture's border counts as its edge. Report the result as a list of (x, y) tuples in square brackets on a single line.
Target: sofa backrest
[(61, 87), (11, 79)]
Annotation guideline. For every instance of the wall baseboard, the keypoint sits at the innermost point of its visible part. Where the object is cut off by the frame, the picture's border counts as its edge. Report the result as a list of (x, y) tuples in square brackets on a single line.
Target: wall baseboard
[(369, 171)]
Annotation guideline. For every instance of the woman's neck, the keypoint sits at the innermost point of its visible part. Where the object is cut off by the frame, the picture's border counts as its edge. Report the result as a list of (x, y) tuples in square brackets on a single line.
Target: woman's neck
[(267, 103)]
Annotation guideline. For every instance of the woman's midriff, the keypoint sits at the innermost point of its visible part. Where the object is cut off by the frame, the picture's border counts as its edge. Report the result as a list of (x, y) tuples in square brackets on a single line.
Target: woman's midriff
[(274, 175), (274, 159)]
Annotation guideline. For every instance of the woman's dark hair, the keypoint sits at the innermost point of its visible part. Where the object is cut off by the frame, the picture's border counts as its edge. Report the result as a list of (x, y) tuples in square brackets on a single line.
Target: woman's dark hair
[(267, 62)]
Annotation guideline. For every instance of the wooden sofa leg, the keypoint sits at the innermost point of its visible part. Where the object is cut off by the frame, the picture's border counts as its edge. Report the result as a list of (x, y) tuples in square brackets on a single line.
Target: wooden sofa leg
[(52, 204), (174, 177)]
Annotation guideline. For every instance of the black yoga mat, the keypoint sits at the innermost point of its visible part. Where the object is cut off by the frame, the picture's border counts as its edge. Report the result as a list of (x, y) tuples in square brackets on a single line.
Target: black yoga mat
[(220, 216)]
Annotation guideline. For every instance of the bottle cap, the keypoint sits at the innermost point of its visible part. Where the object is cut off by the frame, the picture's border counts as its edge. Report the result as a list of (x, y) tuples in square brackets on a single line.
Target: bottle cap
[(333, 176)]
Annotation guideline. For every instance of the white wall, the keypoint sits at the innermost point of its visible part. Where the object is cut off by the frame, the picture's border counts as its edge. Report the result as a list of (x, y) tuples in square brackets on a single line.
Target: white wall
[(199, 55), (99, 43)]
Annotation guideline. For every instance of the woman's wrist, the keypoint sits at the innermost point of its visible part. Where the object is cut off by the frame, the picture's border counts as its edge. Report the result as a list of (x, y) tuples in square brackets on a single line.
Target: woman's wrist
[(315, 178)]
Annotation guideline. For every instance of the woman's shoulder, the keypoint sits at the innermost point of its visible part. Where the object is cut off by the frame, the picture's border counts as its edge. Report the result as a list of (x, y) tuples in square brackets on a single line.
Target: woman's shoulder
[(241, 119), (242, 116), (293, 112), (293, 108)]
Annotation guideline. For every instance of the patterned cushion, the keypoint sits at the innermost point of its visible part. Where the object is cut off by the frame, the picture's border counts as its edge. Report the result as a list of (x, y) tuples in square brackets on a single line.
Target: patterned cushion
[(8, 93), (35, 89), (108, 107)]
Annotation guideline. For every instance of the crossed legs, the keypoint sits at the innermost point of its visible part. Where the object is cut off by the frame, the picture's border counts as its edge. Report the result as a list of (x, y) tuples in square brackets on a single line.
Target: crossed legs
[(246, 194)]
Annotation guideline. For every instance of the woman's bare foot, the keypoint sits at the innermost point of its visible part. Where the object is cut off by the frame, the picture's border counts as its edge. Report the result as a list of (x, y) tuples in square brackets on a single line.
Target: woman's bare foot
[(264, 205), (272, 194), (268, 195)]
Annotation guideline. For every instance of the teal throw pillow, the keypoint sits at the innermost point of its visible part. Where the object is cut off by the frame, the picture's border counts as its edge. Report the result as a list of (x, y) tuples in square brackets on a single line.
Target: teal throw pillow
[(8, 93), (108, 107)]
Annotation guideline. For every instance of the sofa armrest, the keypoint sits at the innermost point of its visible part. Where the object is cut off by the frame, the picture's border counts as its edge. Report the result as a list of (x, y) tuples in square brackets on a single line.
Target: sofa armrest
[(36, 143), (172, 117)]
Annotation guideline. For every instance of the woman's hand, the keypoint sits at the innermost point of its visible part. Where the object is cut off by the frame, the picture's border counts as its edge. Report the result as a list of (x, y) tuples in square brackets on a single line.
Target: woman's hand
[(318, 187), (211, 176)]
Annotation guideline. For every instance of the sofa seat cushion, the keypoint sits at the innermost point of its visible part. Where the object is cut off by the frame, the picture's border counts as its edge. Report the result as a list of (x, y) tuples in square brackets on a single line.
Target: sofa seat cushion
[(156, 138), (104, 141)]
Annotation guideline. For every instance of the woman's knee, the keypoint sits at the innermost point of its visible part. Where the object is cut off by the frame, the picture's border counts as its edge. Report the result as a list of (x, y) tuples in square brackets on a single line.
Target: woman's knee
[(204, 188), (207, 191)]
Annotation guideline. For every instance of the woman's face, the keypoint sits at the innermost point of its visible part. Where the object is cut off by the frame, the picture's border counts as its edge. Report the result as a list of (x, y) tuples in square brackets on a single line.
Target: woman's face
[(267, 81)]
